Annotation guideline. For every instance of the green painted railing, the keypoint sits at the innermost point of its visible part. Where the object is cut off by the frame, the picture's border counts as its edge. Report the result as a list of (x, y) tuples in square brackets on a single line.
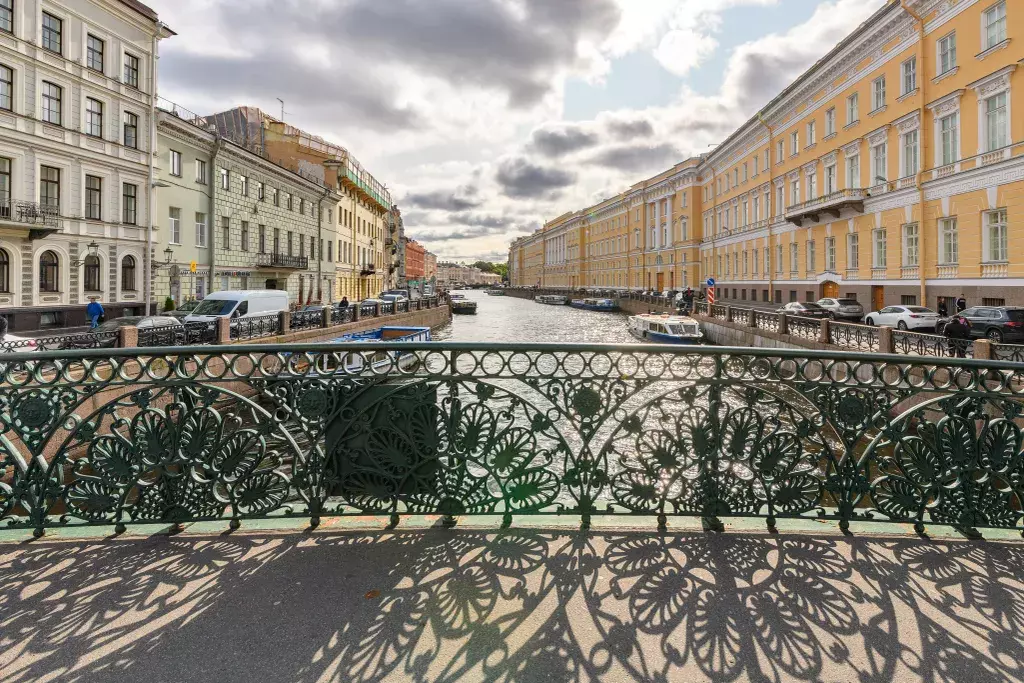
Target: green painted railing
[(182, 435)]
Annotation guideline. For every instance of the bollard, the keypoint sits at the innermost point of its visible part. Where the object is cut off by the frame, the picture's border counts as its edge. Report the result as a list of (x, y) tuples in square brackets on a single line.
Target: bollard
[(728, 314), (128, 337), (783, 324), (886, 344), (752, 320), (825, 332), (376, 310), (223, 330), (983, 350), (327, 322), (284, 321)]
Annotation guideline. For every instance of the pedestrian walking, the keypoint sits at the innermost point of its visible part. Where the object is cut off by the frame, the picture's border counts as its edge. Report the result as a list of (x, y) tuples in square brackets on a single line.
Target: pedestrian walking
[(94, 311), (943, 308), (961, 304), (957, 331)]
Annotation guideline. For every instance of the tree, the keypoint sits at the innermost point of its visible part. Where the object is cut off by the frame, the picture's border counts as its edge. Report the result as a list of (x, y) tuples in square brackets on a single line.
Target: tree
[(484, 266), (501, 269)]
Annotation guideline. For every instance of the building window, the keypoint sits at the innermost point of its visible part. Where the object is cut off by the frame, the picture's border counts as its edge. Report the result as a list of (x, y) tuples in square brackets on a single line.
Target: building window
[(7, 16), (94, 53), (853, 251), (780, 152), (949, 149), (830, 179), (302, 205), (175, 163), (93, 197), (994, 22), (830, 254), (996, 130), (130, 195), (263, 239), (910, 154), (225, 229), (93, 117), (200, 171), (995, 233), (131, 130), (811, 256), (794, 192), (793, 250), (277, 241), (288, 202), (879, 256), (852, 106), (878, 93), (879, 164), (49, 187), (275, 196), (131, 70), (778, 259), (49, 272), (51, 103), (6, 87), (174, 219), (92, 273), (794, 143), (52, 27), (910, 242), (812, 186), (245, 236), (291, 236), (947, 53), (811, 133), (949, 241), (910, 75), (5, 271), (908, 299), (260, 194), (225, 179), (830, 122), (245, 185), (128, 274), (200, 229), (5, 187)]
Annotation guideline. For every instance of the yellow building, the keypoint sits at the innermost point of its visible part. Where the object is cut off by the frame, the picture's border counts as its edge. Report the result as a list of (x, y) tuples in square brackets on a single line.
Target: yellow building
[(891, 171)]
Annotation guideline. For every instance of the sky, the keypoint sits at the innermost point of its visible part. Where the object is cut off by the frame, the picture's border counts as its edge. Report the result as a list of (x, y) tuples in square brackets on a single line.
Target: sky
[(486, 118)]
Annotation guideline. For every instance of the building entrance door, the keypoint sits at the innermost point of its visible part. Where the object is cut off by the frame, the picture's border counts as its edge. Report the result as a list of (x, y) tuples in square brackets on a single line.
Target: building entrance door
[(829, 290), (661, 282), (877, 297)]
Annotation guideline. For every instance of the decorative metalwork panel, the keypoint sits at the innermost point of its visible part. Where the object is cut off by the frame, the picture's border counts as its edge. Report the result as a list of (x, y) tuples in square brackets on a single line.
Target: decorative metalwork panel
[(766, 321), (304, 320), (931, 345), (84, 340), (340, 316), (1009, 352), (157, 436), (201, 332), (853, 336), (387, 308), (742, 315), (367, 310), (718, 312), (164, 335), (255, 327), (805, 328), (401, 307)]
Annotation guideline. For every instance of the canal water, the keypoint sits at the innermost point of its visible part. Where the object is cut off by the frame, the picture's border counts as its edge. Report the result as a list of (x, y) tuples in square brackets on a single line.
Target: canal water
[(512, 320)]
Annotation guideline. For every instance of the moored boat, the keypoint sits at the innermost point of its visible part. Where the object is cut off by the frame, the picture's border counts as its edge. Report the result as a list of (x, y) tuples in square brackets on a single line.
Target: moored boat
[(665, 329), (495, 292), (602, 305), (378, 360), (460, 304), (550, 299)]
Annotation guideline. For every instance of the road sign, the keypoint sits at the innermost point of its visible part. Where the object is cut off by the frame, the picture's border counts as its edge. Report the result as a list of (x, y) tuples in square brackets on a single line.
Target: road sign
[(192, 267), (711, 282)]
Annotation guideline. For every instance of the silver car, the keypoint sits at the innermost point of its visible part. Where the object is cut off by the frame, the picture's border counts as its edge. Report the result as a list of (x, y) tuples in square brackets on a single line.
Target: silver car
[(843, 309)]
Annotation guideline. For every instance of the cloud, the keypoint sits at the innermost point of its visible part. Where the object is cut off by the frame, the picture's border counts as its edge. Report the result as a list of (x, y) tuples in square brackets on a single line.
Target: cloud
[(441, 199), (559, 142), (521, 179), (627, 130), (635, 158)]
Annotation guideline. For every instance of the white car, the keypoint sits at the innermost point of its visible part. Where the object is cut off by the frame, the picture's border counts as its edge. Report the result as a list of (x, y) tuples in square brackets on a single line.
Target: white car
[(15, 344), (904, 318)]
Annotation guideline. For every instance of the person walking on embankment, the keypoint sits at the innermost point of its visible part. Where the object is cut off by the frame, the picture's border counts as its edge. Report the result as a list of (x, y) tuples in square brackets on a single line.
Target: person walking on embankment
[(957, 331)]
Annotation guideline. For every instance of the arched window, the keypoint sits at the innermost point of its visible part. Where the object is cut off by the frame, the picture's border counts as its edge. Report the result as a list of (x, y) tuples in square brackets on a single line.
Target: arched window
[(5, 271), (128, 274), (49, 272), (92, 273)]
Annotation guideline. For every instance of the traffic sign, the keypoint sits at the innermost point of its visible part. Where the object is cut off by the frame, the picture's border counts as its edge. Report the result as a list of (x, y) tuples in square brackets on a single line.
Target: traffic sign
[(711, 282), (192, 267)]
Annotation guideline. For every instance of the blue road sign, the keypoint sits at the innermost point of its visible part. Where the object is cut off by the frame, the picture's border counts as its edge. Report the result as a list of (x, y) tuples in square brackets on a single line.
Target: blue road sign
[(711, 282)]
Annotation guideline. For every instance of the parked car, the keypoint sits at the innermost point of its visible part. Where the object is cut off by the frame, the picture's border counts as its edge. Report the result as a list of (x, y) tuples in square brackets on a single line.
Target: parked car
[(904, 317), (154, 330), (393, 298), (15, 344), (409, 294), (843, 309), (996, 323), (239, 304), (807, 309), (183, 310)]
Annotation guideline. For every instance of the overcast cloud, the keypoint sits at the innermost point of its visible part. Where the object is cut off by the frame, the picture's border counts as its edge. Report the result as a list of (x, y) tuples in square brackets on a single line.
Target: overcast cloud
[(458, 105)]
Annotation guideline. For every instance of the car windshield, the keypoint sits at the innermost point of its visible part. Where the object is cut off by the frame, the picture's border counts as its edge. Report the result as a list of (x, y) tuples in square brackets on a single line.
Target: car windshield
[(215, 307), (1015, 314), (848, 302), (919, 309), (189, 305)]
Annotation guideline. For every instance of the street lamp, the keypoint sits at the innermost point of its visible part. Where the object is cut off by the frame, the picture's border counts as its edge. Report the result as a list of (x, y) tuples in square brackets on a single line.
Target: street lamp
[(94, 250)]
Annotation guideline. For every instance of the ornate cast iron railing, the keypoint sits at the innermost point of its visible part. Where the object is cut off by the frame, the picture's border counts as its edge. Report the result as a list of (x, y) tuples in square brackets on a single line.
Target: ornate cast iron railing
[(860, 337), (255, 327), (1008, 352), (179, 435), (387, 308), (931, 345), (201, 332), (766, 321), (340, 316), (805, 328), (367, 310), (304, 320)]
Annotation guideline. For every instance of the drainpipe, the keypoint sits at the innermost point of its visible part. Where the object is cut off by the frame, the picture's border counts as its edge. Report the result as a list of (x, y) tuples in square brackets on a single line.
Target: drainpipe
[(320, 241), (923, 142), (768, 209), (147, 286), (218, 143)]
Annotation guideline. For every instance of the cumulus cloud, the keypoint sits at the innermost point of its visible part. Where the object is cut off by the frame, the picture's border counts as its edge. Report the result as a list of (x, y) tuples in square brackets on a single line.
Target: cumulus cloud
[(628, 130), (636, 158), (558, 142), (440, 199), (521, 179)]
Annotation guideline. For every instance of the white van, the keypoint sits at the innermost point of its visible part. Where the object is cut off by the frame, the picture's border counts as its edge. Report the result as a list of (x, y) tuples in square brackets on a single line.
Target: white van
[(239, 304)]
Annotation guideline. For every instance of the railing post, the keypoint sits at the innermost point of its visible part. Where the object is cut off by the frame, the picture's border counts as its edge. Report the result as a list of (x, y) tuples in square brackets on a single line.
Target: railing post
[(825, 332), (376, 310), (284, 321), (783, 323), (128, 337), (983, 349), (752, 320), (886, 343), (355, 311), (223, 330), (326, 322), (728, 314)]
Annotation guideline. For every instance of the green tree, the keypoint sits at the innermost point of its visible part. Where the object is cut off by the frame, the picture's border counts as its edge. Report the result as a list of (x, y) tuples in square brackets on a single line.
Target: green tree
[(501, 269), (484, 266)]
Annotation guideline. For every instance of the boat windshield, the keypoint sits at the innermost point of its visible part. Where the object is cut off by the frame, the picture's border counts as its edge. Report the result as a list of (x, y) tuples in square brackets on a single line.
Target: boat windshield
[(674, 328)]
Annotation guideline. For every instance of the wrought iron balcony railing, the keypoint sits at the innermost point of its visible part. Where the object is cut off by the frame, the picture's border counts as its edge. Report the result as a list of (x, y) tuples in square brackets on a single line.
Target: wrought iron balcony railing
[(282, 261), (368, 269), (40, 218), (507, 430), (829, 205)]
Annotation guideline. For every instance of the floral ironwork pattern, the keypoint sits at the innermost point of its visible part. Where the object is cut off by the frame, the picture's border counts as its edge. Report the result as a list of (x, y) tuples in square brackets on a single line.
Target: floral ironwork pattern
[(153, 436)]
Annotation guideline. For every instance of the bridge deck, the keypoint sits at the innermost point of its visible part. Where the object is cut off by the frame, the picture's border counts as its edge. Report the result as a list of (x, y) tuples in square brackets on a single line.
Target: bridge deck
[(522, 605)]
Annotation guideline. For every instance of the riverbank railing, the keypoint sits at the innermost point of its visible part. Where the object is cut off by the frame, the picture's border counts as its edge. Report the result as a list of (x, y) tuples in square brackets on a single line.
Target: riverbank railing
[(177, 435)]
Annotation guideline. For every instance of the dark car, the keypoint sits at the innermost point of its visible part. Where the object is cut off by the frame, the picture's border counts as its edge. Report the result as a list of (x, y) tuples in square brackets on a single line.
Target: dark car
[(995, 323), (807, 309)]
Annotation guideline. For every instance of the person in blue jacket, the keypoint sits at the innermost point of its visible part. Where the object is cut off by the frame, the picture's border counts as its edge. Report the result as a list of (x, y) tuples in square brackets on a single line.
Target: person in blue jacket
[(94, 311)]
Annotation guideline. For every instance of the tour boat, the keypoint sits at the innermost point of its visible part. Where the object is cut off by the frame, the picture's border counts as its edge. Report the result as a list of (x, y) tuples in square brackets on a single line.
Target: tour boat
[(355, 361), (495, 292), (550, 299), (460, 304), (604, 305), (665, 329)]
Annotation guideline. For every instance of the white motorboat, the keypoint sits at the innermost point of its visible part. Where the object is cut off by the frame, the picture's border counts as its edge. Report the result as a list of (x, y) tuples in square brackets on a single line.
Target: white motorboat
[(550, 299), (665, 329)]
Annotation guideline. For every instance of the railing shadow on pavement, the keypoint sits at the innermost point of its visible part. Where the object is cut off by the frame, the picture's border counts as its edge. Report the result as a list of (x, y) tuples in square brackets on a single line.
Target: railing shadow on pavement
[(522, 605)]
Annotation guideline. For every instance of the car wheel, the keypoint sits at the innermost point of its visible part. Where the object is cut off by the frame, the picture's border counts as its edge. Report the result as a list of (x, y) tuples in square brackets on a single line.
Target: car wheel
[(902, 325), (869, 322), (994, 335)]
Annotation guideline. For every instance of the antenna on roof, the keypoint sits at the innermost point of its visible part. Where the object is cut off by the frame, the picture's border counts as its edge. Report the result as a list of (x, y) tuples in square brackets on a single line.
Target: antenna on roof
[(282, 108)]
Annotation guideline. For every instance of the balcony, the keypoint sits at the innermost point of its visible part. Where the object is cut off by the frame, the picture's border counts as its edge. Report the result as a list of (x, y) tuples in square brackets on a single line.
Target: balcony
[(368, 270), (281, 261), (39, 219), (830, 205), (994, 270), (948, 271)]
